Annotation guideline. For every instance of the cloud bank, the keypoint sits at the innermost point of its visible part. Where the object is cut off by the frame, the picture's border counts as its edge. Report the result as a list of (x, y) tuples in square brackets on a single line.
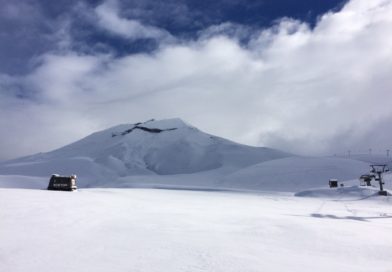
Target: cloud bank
[(318, 90)]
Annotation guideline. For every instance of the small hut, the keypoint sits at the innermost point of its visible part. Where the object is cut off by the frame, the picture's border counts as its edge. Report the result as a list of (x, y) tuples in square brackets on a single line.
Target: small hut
[(62, 183), (333, 183)]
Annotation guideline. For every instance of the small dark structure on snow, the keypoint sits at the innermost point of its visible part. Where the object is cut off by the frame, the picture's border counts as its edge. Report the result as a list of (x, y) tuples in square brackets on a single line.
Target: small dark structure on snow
[(333, 183), (366, 180), (61, 183), (378, 170)]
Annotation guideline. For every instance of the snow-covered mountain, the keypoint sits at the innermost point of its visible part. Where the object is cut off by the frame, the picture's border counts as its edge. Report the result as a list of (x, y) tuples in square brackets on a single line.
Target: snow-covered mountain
[(173, 153), (165, 147)]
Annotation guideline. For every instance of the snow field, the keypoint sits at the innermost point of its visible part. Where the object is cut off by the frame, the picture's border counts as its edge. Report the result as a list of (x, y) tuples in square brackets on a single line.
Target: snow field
[(168, 230)]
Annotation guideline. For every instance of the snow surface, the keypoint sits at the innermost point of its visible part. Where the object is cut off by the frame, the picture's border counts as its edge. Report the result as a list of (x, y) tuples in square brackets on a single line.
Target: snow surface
[(169, 230)]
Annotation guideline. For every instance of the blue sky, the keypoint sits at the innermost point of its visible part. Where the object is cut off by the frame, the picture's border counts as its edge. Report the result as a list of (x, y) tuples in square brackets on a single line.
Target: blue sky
[(303, 76), (28, 28)]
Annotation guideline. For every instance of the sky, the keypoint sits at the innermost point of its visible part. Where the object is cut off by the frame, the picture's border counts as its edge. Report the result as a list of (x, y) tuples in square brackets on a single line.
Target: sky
[(311, 77)]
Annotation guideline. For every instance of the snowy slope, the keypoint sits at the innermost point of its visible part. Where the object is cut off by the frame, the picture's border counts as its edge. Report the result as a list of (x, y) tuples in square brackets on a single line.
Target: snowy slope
[(161, 230), (166, 147), (343, 193), (371, 158), (295, 173), (23, 182)]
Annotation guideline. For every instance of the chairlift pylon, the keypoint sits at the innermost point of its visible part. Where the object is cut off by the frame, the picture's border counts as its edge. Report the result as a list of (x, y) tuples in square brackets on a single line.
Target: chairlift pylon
[(379, 170)]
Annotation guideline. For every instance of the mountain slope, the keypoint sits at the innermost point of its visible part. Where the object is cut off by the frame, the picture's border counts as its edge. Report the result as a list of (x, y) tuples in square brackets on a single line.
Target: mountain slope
[(166, 147)]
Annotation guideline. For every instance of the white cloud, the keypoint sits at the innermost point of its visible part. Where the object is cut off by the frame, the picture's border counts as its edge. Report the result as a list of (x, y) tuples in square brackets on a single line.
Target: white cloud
[(321, 90), (110, 20)]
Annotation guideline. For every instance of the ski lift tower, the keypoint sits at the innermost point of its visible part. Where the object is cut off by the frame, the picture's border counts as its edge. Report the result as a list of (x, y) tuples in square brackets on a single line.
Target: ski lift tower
[(380, 169)]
